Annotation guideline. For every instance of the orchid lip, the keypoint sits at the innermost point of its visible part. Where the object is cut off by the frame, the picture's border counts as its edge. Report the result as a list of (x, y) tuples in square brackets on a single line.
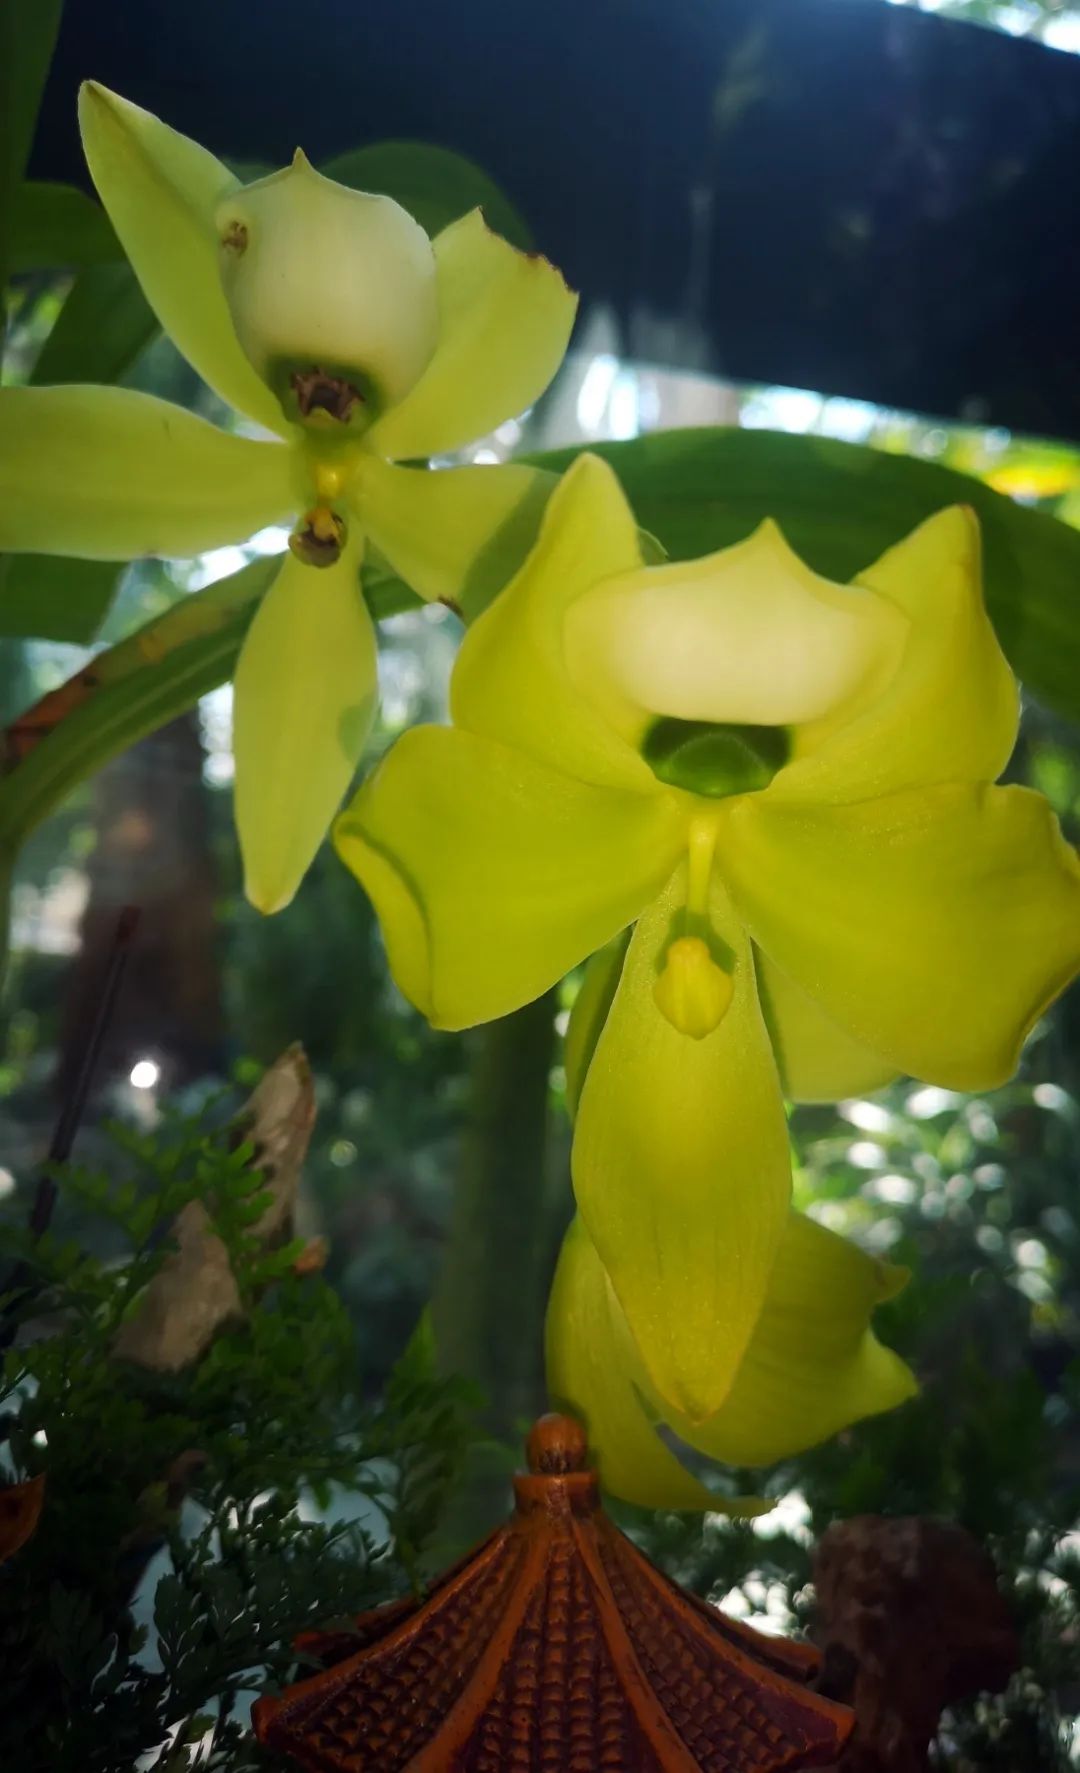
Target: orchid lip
[(715, 760)]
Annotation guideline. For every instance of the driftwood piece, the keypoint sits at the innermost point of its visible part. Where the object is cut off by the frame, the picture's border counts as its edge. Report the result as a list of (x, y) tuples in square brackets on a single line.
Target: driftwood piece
[(555, 1646), (911, 1621), (194, 1293)]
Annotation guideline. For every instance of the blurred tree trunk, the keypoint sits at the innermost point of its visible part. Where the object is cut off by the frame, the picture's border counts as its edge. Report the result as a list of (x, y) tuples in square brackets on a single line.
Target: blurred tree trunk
[(508, 1216), (153, 851)]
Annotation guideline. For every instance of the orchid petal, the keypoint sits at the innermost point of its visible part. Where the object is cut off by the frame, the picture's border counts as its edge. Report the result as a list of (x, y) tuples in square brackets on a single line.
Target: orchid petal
[(681, 1164), (818, 1060), (950, 711), (492, 874), (511, 680), (813, 1365), (304, 699), (161, 191), (594, 1370), (458, 534), (111, 474), (588, 1014), (935, 926), (504, 323)]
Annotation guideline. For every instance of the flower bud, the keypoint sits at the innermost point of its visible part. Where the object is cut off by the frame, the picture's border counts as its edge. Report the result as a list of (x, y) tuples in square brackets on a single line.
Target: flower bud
[(332, 293)]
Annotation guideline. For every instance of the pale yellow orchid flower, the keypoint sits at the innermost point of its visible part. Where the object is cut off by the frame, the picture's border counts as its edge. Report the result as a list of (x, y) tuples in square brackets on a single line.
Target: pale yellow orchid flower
[(327, 317)]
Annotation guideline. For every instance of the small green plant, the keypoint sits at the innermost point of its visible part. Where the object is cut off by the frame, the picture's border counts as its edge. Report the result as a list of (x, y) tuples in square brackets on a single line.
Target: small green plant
[(194, 1521)]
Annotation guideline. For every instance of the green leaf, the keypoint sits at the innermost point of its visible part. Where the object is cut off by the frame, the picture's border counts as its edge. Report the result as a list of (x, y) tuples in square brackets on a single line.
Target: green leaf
[(840, 505), (436, 185), (46, 598), (138, 685), (27, 34), (102, 327), (55, 227)]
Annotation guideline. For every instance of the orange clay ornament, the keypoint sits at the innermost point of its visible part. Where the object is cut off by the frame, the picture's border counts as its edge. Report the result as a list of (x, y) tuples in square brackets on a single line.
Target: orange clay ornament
[(20, 1511), (555, 1647)]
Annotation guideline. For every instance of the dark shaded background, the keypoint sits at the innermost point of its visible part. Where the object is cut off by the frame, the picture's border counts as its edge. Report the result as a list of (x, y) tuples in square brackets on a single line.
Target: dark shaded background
[(835, 194)]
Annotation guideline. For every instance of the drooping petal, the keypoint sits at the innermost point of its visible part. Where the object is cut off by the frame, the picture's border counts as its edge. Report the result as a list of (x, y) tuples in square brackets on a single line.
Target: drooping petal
[(950, 711), (161, 191), (511, 680), (589, 1013), (304, 699), (594, 1369), (111, 474), (935, 926), (492, 874), (813, 1365), (459, 534), (818, 1060), (748, 635), (319, 276), (681, 1164), (504, 323)]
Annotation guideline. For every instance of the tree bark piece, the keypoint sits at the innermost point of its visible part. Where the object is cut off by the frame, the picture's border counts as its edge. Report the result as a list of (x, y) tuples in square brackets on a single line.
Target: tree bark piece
[(911, 1621)]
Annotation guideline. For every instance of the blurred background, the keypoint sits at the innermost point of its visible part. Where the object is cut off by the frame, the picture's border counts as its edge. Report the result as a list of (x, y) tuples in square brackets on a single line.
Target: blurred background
[(841, 217)]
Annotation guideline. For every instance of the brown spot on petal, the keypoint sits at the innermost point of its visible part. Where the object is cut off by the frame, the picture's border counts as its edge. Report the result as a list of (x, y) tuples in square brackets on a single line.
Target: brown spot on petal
[(235, 238)]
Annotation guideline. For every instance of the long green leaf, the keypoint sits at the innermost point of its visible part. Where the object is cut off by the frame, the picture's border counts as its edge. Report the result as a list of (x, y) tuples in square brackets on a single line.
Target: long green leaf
[(27, 35), (139, 684), (101, 328), (131, 690), (57, 227), (44, 597), (436, 185), (840, 505)]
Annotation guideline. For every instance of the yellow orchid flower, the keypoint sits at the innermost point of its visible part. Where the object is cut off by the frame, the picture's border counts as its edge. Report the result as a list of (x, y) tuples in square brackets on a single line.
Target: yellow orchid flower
[(784, 784), (812, 1367), (328, 317)]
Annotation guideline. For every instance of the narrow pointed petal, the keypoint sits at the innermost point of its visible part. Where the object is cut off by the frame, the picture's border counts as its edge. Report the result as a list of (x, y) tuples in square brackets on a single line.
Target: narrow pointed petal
[(161, 191), (934, 926), (110, 474), (512, 680), (818, 1060), (505, 319), (812, 1368), (681, 1165), (950, 711), (458, 535), (305, 695), (813, 1365), (493, 875), (588, 1015), (594, 1370)]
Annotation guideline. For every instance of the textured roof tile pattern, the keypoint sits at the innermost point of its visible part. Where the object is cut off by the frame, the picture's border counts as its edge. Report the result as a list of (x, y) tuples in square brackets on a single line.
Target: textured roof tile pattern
[(556, 1648)]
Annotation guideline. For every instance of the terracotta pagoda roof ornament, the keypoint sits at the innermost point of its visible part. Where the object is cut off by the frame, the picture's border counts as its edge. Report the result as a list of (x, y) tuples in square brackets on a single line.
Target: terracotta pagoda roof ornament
[(555, 1647)]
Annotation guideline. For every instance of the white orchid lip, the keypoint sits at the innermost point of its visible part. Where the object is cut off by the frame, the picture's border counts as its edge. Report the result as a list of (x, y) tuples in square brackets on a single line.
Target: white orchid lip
[(332, 293), (747, 638)]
